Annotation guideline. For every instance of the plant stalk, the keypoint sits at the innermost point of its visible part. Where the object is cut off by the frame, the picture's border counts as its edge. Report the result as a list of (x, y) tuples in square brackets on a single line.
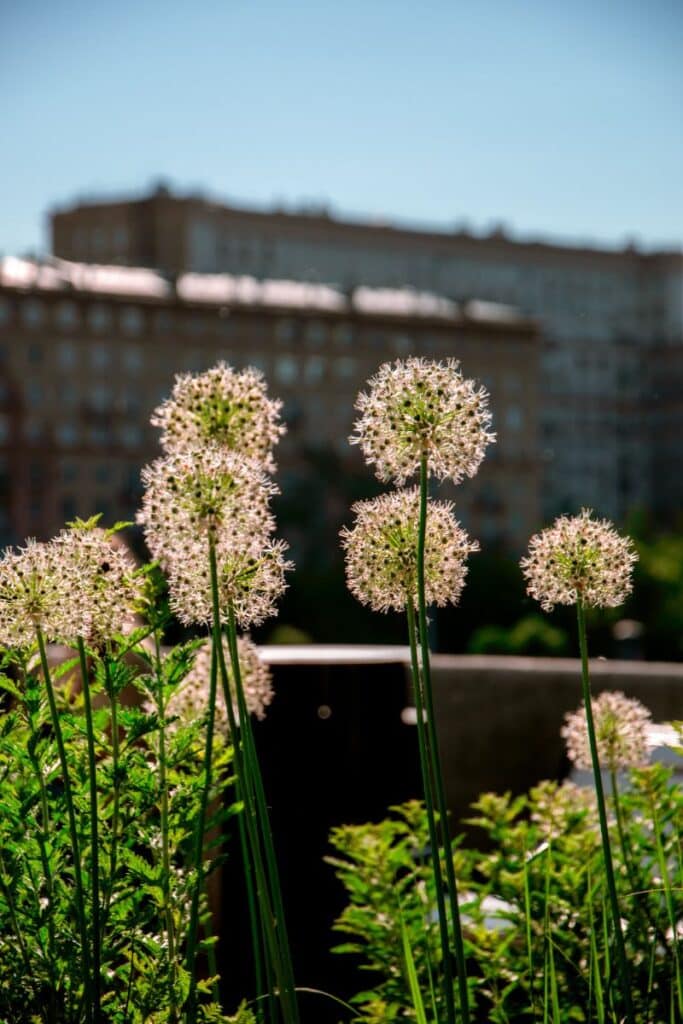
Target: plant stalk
[(622, 962), (94, 842), (433, 747), (71, 815)]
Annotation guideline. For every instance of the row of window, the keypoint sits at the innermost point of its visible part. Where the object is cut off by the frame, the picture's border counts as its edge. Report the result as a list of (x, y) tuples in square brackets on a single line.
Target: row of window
[(68, 433)]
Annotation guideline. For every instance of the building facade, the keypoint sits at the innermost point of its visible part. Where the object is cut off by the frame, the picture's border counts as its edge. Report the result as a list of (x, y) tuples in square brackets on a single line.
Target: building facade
[(88, 351), (602, 313)]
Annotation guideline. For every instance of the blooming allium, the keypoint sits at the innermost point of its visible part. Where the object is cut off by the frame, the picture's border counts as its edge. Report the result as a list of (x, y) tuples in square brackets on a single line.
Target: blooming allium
[(419, 407), (579, 559), (621, 725), (224, 407), (381, 552), (203, 492), (31, 595), (251, 577), (190, 700), (100, 589)]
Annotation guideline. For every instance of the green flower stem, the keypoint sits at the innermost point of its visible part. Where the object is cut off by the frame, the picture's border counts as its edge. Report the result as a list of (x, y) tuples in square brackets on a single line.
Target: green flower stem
[(249, 813), (620, 947), (113, 853), (165, 856), (200, 825), (286, 982), (47, 873), (668, 900), (431, 817), (254, 922), (71, 814), (433, 747), (94, 843)]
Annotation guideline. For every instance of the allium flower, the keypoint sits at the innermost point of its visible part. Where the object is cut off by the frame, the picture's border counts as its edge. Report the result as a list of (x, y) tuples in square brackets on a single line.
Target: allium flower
[(31, 593), (190, 700), (99, 588), (223, 407), (202, 492), (579, 559), (417, 408), (251, 577), (621, 725), (381, 552)]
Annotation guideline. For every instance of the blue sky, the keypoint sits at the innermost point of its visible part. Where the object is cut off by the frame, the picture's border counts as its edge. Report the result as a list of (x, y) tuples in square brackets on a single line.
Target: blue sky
[(557, 118)]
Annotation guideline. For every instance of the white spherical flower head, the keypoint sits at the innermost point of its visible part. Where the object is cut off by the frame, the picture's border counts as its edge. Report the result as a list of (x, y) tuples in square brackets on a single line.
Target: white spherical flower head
[(101, 590), (419, 408), (190, 700), (31, 594), (225, 407), (202, 493), (579, 559), (381, 552), (621, 725), (251, 578)]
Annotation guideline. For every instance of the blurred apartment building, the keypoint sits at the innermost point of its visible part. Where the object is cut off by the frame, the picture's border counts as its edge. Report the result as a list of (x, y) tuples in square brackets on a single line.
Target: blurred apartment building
[(610, 418), (89, 350)]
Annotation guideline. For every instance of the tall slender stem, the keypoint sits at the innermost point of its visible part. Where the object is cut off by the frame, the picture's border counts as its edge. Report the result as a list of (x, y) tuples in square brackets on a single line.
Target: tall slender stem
[(433, 747), (249, 814), (94, 841), (431, 821), (199, 846), (288, 993), (47, 871), (113, 853), (622, 962), (165, 856), (75, 849)]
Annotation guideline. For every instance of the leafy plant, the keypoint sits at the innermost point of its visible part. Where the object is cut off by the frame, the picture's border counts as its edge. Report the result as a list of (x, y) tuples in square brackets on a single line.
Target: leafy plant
[(534, 905)]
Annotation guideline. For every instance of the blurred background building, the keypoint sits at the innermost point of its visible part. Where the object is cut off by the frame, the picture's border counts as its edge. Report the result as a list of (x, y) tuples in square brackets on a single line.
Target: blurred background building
[(89, 350), (611, 319)]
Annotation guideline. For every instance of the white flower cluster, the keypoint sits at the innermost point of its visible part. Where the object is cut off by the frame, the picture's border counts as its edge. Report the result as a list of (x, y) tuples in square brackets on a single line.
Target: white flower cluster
[(212, 490), (224, 407), (621, 725), (416, 411), (381, 552), (419, 408), (82, 585), (190, 700), (579, 559)]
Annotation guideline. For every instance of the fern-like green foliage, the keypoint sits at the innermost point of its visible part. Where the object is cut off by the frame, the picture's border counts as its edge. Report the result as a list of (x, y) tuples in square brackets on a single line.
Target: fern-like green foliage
[(142, 899), (534, 906)]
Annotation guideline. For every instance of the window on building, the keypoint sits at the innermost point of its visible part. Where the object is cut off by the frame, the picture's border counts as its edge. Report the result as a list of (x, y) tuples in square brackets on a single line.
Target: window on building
[(286, 369), (100, 318), (33, 429), (131, 320), (34, 393), (5, 311), (100, 356), (34, 353), (67, 434), (98, 436), (66, 316), (343, 334), (315, 333), (100, 397), (66, 355), (132, 358), (513, 417), (285, 331), (131, 435), (345, 367), (315, 369), (4, 429), (33, 313), (102, 473)]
